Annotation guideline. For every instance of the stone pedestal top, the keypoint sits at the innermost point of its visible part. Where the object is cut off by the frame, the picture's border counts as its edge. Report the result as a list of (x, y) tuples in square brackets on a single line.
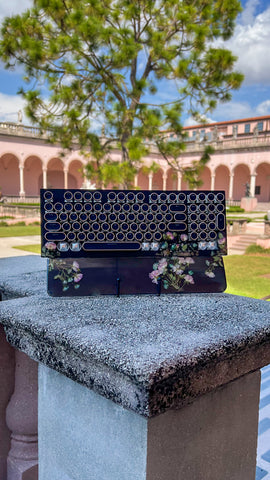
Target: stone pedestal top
[(146, 353)]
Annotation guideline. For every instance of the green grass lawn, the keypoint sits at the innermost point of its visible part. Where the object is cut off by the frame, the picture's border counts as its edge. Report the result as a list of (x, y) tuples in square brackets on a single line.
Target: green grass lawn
[(19, 230), (247, 275), (30, 248)]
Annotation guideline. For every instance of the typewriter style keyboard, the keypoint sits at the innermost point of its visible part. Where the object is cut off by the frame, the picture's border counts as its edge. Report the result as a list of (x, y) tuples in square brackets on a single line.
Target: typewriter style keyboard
[(83, 223)]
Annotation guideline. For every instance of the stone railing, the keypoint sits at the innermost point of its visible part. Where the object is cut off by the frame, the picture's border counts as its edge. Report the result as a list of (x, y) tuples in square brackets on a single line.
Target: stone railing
[(129, 388), (236, 227), (240, 142)]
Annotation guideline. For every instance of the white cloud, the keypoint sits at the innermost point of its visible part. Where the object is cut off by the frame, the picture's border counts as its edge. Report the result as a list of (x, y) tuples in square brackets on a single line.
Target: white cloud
[(12, 7), (248, 14), (9, 107), (250, 44)]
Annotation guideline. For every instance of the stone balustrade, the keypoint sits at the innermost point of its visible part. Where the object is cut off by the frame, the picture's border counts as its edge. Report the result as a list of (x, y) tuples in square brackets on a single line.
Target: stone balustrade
[(140, 388), (236, 227)]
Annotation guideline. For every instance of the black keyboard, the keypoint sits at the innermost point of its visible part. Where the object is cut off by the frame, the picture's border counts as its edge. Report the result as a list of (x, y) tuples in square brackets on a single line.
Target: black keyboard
[(93, 223)]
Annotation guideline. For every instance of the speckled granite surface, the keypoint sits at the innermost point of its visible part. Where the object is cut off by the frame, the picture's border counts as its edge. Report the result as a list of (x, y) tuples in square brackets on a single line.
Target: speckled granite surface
[(146, 353)]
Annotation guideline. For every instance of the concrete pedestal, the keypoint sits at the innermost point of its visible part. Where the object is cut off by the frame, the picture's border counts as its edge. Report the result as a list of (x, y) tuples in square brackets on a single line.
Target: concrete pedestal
[(141, 387), (86, 436), (249, 203)]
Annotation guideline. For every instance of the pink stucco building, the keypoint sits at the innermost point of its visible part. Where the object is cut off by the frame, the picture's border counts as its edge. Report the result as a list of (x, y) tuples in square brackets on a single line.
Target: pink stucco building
[(242, 155)]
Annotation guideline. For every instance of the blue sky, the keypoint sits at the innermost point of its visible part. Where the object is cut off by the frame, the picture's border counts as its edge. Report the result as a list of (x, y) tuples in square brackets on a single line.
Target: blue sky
[(251, 43)]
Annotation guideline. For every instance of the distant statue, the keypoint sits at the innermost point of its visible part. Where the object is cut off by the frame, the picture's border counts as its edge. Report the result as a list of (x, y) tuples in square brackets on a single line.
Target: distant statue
[(197, 136), (20, 117), (215, 134), (255, 131), (247, 191)]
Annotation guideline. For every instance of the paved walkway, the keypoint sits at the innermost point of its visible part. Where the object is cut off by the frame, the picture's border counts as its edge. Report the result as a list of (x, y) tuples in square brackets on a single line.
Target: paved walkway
[(7, 243)]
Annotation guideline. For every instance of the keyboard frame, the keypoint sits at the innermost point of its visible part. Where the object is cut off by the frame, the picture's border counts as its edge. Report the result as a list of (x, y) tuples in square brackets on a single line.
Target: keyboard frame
[(183, 198)]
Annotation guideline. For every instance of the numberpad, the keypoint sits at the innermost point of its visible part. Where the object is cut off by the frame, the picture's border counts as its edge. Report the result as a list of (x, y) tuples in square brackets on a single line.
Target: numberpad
[(78, 223)]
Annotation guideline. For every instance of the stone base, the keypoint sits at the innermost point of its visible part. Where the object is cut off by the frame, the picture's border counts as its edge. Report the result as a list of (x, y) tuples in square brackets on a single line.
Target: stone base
[(249, 203), (86, 436), (22, 470)]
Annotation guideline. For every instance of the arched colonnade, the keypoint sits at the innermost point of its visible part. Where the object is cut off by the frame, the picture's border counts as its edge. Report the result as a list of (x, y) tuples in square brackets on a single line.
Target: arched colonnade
[(25, 176)]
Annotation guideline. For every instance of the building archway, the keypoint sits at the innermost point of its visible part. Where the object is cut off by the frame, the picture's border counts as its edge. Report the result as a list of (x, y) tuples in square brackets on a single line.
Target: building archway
[(9, 175), (205, 177), (32, 175), (143, 181), (75, 176), (172, 179), (263, 182), (241, 177), (55, 173), (157, 182), (222, 179)]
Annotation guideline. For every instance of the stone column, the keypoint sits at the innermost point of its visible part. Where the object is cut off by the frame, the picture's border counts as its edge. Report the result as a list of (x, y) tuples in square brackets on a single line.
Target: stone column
[(21, 417), (44, 183), (22, 192), (150, 181), (164, 178), (7, 370), (179, 180), (66, 178), (136, 180), (252, 184), (231, 186), (213, 177)]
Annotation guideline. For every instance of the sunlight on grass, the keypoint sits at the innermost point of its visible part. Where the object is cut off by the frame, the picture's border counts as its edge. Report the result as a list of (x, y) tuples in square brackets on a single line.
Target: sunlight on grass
[(248, 275), (19, 231), (30, 248)]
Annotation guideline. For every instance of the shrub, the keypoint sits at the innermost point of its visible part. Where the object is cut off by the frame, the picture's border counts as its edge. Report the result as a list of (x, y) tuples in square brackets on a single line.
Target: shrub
[(253, 249), (235, 209)]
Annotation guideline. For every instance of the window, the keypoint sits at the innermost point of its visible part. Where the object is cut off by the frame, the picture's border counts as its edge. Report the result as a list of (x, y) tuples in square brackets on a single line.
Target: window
[(194, 133), (257, 190), (247, 128), (260, 126)]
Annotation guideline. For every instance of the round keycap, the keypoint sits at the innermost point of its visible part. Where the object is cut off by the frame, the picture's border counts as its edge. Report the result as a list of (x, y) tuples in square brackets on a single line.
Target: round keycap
[(211, 207), (193, 217), (81, 236), (212, 226), (68, 196), (136, 207), (192, 197), (110, 236), (124, 227), (181, 197), (150, 217), (71, 236), (168, 217), (63, 217), (102, 217), (154, 208), (162, 226), (112, 217), (163, 208), (203, 235), (153, 197), (212, 235), (91, 236), (87, 196), (121, 217), (92, 217), (140, 197), (202, 207), (78, 196), (87, 207), (172, 197), (120, 236), (100, 237), (121, 197), (115, 226), (78, 207), (66, 226), (95, 227), (148, 236), (68, 207), (202, 217), (48, 207), (139, 236), (97, 196), (220, 197), (141, 217), (157, 236), (76, 226), (107, 207), (192, 208), (193, 236), (48, 195), (97, 207), (130, 197), (201, 197), (134, 227), (105, 226), (86, 226), (211, 217), (129, 236), (152, 227), (58, 207), (210, 197), (220, 207), (117, 207), (143, 227), (112, 196), (126, 207), (131, 217), (73, 217), (163, 197), (159, 217)]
